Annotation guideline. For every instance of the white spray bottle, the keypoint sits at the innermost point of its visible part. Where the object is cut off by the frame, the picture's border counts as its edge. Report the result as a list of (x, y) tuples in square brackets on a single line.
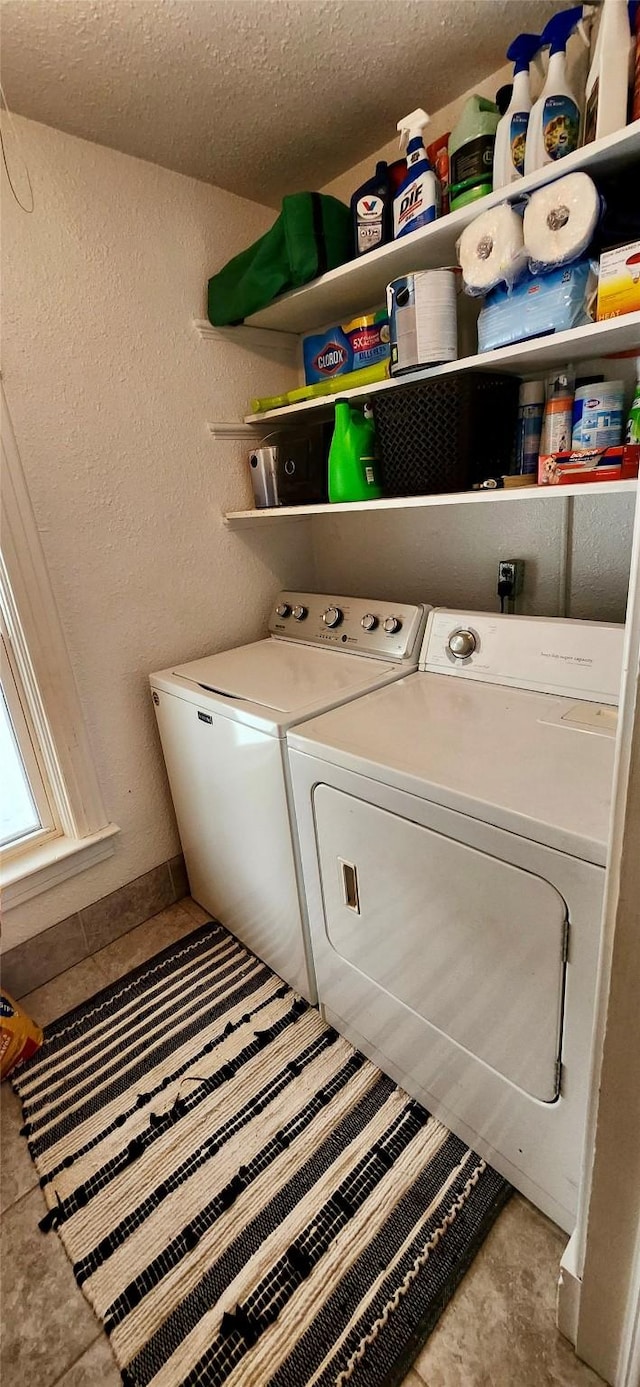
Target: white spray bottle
[(554, 123), (415, 202), (511, 135), (609, 74)]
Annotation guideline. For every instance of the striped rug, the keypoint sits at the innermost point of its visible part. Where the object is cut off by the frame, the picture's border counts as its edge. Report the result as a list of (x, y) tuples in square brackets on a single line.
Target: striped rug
[(245, 1199)]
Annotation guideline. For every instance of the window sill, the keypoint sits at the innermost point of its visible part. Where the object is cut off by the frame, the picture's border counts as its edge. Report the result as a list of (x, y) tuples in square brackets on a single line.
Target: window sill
[(50, 863)]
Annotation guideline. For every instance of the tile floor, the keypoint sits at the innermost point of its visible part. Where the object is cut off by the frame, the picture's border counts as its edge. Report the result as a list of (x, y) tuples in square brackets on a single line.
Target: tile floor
[(498, 1330)]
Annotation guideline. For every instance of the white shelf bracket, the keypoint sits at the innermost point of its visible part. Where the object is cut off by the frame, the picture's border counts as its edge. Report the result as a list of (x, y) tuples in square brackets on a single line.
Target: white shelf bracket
[(278, 346), (233, 432)]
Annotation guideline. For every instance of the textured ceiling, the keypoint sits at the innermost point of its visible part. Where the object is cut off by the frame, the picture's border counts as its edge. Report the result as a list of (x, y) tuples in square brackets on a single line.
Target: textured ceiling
[(262, 97)]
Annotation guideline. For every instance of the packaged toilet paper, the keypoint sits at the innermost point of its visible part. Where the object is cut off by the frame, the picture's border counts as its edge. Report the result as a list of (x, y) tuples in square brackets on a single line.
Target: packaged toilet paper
[(560, 221), (491, 250), (538, 305)]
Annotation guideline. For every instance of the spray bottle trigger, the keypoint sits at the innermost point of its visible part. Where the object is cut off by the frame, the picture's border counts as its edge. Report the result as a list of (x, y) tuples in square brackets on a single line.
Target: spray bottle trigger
[(412, 125)]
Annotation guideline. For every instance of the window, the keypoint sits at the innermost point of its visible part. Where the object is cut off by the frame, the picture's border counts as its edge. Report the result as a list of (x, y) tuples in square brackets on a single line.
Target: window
[(27, 814), (53, 822), (25, 805)]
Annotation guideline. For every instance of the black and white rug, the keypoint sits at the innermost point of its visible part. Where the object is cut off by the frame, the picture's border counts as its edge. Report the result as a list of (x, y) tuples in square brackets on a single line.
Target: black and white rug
[(245, 1199)]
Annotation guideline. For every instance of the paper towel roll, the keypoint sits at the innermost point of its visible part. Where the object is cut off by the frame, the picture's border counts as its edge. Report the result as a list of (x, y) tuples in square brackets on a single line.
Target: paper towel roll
[(491, 250), (560, 220)]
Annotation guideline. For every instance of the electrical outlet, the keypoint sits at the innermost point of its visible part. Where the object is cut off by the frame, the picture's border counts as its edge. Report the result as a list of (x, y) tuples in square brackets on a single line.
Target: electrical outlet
[(510, 581), (511, 571)]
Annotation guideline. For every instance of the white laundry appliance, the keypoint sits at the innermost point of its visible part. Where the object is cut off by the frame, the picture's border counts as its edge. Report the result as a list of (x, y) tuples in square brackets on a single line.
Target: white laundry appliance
[(223, 722), (453, 832)]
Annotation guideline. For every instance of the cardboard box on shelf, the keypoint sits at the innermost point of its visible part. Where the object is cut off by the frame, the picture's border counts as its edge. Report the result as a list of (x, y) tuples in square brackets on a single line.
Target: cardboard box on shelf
[(619, 281), (600, 465)]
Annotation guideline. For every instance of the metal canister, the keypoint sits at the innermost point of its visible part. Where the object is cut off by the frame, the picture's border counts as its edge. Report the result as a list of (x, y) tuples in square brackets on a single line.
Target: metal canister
[(423, 319)]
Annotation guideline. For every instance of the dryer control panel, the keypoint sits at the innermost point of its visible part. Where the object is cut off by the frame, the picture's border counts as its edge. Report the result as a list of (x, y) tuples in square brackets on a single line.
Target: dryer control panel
[(386, 630), (556, 655)]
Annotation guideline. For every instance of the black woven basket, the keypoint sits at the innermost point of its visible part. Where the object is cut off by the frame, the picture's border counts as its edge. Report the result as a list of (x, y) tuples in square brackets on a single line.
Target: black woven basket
[(446, 433)]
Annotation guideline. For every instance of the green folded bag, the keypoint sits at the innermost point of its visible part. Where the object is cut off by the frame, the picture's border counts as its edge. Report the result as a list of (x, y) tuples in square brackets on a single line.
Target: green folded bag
[(312, 234)]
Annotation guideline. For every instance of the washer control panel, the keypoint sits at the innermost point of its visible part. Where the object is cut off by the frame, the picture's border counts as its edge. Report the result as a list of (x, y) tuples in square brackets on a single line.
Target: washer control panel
[(387, 630), (548, 654)]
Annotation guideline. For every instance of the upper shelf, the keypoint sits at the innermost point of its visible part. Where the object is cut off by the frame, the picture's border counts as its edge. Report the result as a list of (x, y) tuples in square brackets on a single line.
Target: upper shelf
[(359, 285), (538, 354)]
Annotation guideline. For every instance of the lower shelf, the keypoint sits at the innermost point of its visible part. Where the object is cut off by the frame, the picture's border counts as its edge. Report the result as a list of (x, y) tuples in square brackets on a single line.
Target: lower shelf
[(240, 518)]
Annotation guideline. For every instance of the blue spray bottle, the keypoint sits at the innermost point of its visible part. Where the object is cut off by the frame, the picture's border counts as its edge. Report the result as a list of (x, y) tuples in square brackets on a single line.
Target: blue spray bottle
[(511, 135), (554, 123), (415, 202)]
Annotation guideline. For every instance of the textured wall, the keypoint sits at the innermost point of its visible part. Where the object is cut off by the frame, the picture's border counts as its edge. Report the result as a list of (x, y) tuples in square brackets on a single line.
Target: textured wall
[(449, 557), (109, 390)]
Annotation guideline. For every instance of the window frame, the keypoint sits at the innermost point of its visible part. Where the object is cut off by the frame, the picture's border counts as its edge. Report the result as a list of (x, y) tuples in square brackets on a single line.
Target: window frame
[(37, 646), (30, 752)]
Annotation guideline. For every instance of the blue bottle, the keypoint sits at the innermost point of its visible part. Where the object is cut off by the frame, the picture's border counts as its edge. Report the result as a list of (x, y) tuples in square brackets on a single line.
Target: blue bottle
[(372, 212), (416, 201)]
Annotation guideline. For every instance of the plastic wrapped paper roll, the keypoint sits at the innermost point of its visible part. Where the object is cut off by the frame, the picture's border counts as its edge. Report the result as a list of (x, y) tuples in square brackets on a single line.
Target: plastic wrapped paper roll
[(491, 250), (560, 221)]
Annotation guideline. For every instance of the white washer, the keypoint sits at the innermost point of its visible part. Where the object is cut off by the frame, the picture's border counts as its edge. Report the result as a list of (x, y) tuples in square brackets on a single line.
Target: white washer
[(453, 833), (223, 722)]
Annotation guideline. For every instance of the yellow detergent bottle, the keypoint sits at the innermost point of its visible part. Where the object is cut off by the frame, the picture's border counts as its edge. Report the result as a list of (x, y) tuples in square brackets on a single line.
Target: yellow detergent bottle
[(353, 462)]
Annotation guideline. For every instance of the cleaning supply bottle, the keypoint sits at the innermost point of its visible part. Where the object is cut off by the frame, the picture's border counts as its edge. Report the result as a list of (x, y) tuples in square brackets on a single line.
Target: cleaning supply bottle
[(471, 147), (633, 422), (554, 122), (511, 135), (372, 212), (558, 413), (605, 108), (529, 427), (353, 464), (415, 202)]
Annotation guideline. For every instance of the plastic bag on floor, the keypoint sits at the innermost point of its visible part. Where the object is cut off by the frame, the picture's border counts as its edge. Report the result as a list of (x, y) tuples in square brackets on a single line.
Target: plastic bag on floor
[(19, 1035)]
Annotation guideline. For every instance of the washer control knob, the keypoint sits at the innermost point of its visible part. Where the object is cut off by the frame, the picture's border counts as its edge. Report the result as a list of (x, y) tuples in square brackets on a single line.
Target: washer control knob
[(332, 616), (391, 624), (369, 622), (462, 644), (283, 609), (299, 613)]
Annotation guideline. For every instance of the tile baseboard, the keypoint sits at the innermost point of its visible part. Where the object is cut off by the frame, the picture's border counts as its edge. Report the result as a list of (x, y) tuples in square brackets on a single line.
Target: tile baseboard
[(45, 955)]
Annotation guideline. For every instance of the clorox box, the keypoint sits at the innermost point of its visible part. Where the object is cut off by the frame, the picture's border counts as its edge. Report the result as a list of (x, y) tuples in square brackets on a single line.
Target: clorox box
[(346, 347)]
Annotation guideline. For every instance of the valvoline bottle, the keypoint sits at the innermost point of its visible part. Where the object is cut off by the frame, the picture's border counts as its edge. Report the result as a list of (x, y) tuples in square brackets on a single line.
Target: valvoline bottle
[(416, 200), (372, 211)]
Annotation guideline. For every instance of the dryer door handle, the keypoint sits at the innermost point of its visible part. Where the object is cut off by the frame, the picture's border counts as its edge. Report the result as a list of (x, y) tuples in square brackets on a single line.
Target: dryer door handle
[(350, 890)]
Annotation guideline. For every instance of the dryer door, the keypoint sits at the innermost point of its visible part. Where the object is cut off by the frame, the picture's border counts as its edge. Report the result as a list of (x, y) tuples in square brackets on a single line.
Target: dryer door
[(471, 943)]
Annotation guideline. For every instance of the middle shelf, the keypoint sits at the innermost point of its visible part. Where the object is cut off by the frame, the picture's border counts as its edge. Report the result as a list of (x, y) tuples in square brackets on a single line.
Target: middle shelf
[(537, 355), (277, 514)]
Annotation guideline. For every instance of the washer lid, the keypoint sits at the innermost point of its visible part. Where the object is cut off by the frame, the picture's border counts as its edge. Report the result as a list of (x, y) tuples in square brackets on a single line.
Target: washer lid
[(285, 678)]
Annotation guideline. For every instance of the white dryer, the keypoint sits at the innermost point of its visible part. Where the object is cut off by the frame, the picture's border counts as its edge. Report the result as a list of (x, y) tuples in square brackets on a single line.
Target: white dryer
[(453, 833), (223, 722)]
